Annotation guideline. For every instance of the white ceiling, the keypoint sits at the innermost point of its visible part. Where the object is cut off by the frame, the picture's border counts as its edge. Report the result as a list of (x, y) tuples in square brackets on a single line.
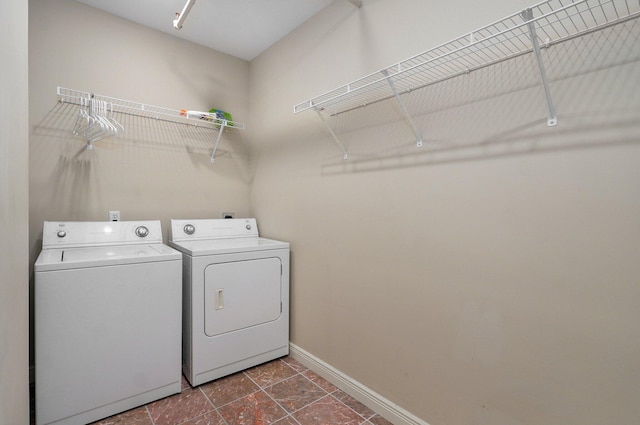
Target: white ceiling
[(241, 28)]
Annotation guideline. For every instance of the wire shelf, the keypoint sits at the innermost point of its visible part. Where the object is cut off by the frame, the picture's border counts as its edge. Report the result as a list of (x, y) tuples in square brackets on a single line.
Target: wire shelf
[(554, 21), (204, 120), (207, 120)]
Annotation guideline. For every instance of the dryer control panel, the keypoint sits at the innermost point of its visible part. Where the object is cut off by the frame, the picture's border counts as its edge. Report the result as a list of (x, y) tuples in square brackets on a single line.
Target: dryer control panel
[(184, 230)]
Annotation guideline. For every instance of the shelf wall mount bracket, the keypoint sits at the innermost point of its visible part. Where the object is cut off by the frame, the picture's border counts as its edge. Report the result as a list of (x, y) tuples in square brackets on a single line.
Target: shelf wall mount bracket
[(396, 94), (215, 147), (552, 117), (345, 155)]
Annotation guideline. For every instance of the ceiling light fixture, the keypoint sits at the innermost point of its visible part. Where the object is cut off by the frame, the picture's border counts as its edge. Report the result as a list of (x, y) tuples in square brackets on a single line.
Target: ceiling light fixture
[(181, 16)]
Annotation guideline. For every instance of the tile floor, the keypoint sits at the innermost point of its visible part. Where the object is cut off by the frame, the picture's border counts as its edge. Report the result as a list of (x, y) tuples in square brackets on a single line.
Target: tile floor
[(281, 392)]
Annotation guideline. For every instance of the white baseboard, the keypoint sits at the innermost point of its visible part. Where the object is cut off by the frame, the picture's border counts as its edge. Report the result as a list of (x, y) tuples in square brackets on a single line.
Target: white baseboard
[(385, 408)]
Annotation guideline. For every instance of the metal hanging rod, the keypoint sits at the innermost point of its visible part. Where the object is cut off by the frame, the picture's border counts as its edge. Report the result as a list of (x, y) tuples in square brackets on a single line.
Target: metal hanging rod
[(95, 121), (181, 16), (194, 118)]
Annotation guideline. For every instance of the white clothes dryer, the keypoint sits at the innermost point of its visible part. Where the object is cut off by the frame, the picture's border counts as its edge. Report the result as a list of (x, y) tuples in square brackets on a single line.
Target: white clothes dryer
[(108, 300), (235, 294)]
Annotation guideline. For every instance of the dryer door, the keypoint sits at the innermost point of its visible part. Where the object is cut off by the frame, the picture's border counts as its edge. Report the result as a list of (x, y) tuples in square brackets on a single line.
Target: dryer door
[(241, 294)]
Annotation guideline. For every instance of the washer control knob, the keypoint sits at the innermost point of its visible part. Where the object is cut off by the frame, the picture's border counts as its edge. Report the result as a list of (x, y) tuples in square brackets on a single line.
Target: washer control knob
[(189, 229), (61, 233), (248, 226), (142, 231)]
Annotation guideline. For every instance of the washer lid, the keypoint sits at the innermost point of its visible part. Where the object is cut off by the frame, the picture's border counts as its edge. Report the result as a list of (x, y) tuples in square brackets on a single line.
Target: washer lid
[(227, 246), (74, 258)]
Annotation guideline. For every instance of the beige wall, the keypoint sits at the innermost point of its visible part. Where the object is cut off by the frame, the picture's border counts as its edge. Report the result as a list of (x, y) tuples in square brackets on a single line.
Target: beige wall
[(490, 278), (78, 47), (155, 170), (14, 180)]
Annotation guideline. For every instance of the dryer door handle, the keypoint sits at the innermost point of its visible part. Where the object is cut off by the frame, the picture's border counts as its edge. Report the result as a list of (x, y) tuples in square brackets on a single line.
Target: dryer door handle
[(219, 299)]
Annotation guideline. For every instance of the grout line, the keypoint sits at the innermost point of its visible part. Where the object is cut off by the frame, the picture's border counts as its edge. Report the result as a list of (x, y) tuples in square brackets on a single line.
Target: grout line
[(215, 409), (281, 406), (303, 407), (146, 407), (297, 372), (366, 419), (318, 385), (252, 380), (348, 407), (269, 395), (327, 393), (260, 388), (240, 398)]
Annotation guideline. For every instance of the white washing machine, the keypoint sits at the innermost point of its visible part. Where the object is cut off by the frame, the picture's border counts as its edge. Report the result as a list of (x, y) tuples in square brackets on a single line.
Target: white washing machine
[(108, 314), (235, 294)]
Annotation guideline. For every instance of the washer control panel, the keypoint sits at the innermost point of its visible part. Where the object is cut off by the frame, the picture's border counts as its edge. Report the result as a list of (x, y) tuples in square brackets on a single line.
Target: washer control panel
[(97, 233)]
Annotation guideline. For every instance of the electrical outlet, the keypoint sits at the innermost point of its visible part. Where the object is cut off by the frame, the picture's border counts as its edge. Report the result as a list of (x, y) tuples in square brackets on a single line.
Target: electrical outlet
[(228, 215), (114, 215)]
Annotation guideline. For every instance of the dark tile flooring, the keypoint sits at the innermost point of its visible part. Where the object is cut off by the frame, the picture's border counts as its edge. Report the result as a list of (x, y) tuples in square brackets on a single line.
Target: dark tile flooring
[(281, 392)]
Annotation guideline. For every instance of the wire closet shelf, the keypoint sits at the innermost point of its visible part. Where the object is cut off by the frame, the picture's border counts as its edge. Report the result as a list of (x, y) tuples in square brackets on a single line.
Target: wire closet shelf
[(115, 105), (542, 25)]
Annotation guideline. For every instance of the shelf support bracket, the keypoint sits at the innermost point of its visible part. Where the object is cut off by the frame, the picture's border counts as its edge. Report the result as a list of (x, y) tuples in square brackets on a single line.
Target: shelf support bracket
[(416, 133), (215, 147), (333, 135), (552, 118)]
